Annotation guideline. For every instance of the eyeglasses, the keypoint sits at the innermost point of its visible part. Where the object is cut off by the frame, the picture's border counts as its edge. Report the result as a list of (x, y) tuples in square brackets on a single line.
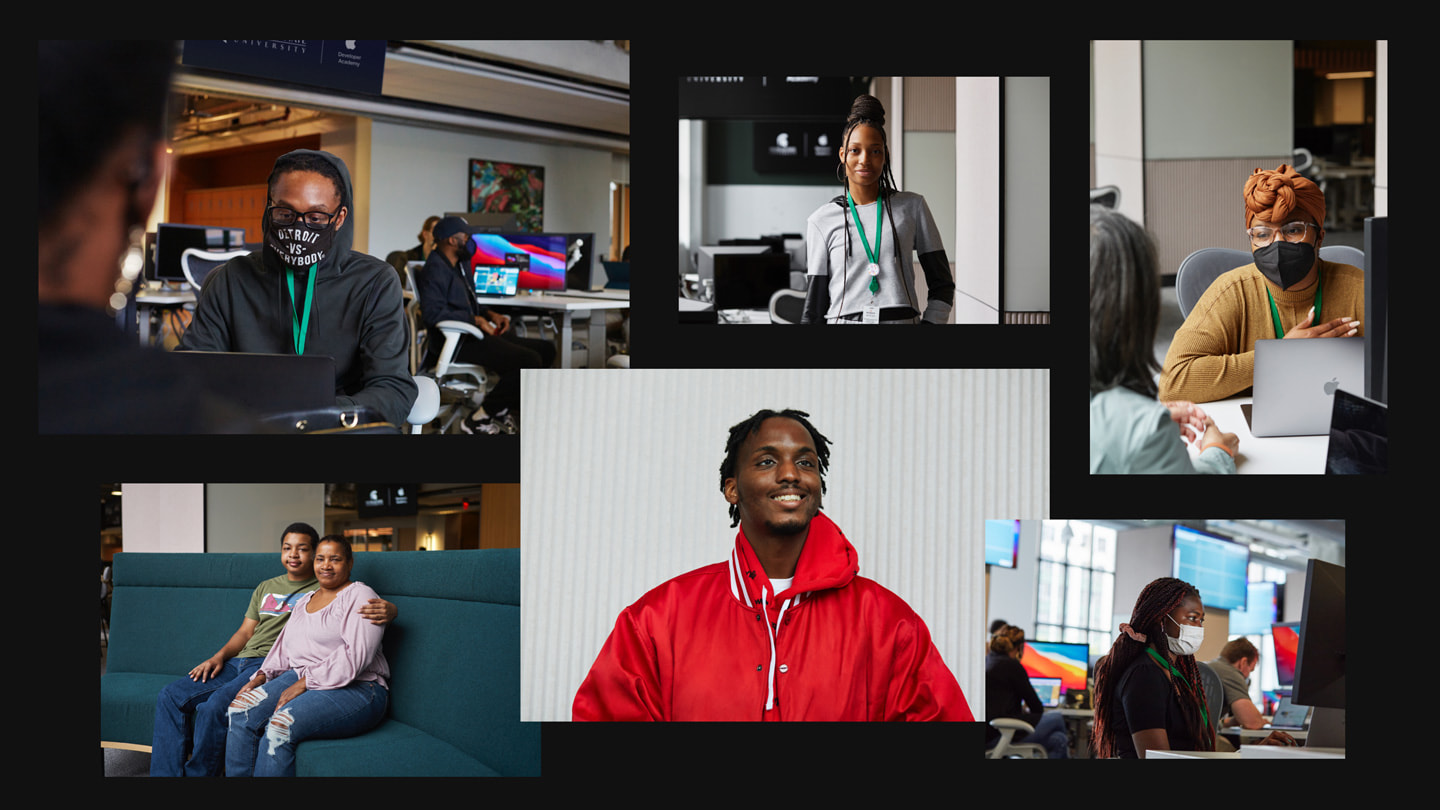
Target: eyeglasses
[(1262, 235), (314, 220)]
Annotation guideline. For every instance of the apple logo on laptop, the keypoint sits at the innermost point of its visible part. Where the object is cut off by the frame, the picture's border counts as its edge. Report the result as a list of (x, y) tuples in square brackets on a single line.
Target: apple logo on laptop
[(1331, 386)]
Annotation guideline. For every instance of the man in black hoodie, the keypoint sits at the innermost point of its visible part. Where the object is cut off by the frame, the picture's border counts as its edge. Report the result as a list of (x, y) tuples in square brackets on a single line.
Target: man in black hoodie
[(307, 292)]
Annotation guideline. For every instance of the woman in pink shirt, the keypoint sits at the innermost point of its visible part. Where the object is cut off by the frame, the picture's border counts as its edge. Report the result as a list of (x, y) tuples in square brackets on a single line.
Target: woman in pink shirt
[(324, 678)]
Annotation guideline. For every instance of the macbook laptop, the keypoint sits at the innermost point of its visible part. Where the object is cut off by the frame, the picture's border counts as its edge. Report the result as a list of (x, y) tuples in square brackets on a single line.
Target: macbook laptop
[(1289, 716), (1048, 690), (1296, 380), (264, 384)]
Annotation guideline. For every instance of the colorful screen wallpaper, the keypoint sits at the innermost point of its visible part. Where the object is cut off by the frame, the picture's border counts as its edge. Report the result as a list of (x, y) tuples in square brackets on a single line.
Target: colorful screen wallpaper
[(539, 257), (1046, 659)]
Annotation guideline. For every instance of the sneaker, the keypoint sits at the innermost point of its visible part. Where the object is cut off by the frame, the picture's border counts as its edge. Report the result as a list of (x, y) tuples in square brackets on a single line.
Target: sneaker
[(508, 422), (484, 424)]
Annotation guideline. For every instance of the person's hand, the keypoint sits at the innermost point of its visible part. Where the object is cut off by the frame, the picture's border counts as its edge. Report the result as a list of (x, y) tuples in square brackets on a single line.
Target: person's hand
[(1187, 414), (502, 323), (486, 326), (207, 669), (1340, 327), (295, 690), (1213, 435), (251, 684), (1278, 738), (378, 611)]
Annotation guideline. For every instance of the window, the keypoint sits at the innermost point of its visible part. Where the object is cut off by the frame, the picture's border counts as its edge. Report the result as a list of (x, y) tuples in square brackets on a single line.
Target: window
[(1076, 593)]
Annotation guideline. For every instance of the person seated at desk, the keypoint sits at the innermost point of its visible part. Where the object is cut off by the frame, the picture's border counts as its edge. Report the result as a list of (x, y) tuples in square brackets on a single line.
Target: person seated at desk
[(1130, 430), (447, 293), (307, 292), (1008, 693), (1237, 660), (1288, 292)]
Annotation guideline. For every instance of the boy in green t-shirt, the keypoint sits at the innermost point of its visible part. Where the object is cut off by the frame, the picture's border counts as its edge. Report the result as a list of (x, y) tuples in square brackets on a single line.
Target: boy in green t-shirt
[(208, 689)]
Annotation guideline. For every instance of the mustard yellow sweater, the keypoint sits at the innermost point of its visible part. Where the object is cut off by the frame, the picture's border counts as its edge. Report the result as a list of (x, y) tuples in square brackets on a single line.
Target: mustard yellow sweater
[(1213, 353)]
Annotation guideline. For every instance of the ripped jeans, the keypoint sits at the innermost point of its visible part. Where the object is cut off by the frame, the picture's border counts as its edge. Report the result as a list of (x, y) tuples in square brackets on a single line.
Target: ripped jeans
[(262, 741)]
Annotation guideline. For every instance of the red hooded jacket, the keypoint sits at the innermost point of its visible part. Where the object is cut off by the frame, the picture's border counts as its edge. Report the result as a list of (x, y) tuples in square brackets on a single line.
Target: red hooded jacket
[(719, 644)]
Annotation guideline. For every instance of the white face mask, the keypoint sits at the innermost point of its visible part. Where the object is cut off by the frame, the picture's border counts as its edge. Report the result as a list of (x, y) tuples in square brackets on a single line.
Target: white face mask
[(1189, 641)]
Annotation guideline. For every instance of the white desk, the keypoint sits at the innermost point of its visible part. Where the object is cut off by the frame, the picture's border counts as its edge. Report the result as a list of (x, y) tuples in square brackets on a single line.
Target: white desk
[(1152, 754), (566, 306), (1281, 454)]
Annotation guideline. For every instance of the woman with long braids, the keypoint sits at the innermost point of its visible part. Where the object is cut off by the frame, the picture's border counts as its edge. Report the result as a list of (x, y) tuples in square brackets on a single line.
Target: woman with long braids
[(858, 269), (1148, 694)]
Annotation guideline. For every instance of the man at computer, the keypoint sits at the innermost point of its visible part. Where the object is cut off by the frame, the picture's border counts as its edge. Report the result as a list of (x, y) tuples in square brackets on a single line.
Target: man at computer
[(1288, 292), (447, 293), (307, 292), (1237, 660), (786, 629)]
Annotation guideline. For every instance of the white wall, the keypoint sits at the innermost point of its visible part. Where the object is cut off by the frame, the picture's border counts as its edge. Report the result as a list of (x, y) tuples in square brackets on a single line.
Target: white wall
[(417, 171), (163, 517), (246, 518), (623, 493)]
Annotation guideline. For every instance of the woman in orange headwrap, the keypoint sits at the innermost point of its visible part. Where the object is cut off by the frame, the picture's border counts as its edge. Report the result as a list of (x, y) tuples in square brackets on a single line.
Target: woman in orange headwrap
[(1280, 295)]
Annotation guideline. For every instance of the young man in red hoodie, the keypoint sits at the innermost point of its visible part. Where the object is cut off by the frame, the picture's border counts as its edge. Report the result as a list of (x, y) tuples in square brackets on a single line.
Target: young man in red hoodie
[(784, 630)]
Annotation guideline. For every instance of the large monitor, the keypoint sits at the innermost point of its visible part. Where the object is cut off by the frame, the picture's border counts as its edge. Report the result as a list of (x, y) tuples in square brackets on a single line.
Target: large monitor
[(1002, 542), (535, 260), (1213, 563), (748, 280), (1285, 638), (1054, 659), (1261, 611), (172, 239), (1320, 661)]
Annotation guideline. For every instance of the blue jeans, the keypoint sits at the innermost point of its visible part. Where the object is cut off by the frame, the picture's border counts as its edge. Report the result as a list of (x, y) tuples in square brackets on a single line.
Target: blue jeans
[(189, 711), (262, 741)]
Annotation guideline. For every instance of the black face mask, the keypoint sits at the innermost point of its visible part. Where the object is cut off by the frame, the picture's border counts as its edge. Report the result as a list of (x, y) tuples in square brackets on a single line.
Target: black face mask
[(1285, 263), (467, 252), (298, 247)]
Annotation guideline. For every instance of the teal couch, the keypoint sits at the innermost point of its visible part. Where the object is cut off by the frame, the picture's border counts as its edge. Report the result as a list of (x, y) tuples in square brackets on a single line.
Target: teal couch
[(454, 654)]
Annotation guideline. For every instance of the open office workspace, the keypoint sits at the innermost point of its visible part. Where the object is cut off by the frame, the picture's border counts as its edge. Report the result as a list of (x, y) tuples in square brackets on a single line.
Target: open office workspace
[(252, 245), (1239, 280), (311, 630), (1154, 639), (864, 199)]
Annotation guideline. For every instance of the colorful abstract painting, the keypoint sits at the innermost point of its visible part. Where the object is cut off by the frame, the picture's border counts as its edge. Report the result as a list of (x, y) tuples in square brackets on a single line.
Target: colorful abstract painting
[(509, 188)]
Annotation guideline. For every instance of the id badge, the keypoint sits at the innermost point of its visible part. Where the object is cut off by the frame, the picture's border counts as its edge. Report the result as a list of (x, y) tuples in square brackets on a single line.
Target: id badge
[(871, 314), (874, 269)]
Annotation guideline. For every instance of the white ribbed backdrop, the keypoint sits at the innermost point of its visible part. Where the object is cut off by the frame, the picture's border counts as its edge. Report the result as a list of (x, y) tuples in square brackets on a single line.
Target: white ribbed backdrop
[(621, 491)]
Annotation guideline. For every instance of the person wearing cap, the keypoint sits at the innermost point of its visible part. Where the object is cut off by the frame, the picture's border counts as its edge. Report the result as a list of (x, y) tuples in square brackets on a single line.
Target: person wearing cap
[(446, 286), (1288, 292)]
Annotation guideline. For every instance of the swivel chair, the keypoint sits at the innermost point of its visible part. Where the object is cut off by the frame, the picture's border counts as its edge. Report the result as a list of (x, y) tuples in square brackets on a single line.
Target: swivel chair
[(1201, 268), (1007, 748), (197, 263)]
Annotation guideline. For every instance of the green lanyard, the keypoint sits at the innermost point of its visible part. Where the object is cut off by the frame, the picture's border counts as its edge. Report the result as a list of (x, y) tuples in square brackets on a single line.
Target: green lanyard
[(875, 256), (1204, 715), (1275, 313), (298, 326)]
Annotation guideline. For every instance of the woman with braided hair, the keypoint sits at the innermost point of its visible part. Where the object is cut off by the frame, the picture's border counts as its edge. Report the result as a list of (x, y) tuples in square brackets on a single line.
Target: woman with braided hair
[(859, 270), (1148, 694)]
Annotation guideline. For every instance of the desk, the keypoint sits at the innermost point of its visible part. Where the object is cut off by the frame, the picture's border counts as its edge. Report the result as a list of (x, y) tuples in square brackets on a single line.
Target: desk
[(1281, 454), (566, 306)]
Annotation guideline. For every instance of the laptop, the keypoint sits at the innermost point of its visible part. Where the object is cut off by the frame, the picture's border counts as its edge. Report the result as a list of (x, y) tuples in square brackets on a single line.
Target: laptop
[(1358, 436), (1048, 690), (1289, 716), (617, 275), (1296, 380), (264, 384)]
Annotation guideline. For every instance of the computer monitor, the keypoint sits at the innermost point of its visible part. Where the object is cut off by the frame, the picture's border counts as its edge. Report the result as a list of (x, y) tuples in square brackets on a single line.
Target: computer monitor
[(1261, 610), (172, 239), (536, 260), (1054, 659), (1285, 638), (748, 280), (1377, 291), (1049, 690), (706, 255), (1002, 542), (1213, 563), (1320, 660)]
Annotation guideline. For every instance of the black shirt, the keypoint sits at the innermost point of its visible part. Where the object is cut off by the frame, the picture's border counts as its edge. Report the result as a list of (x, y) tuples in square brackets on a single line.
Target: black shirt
[(1148, 700)]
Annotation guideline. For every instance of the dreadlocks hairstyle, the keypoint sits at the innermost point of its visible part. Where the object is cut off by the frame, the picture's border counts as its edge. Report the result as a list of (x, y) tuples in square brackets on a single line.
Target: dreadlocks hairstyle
[(867, 110), (739, 433), (1157, 600)]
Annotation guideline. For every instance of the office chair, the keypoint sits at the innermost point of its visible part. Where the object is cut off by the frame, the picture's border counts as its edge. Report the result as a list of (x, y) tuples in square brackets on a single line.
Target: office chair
[(426, 407), (1108, 196), (1007, 726), (197, 263), (786, 306), (1199, 269), (461, 386)]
